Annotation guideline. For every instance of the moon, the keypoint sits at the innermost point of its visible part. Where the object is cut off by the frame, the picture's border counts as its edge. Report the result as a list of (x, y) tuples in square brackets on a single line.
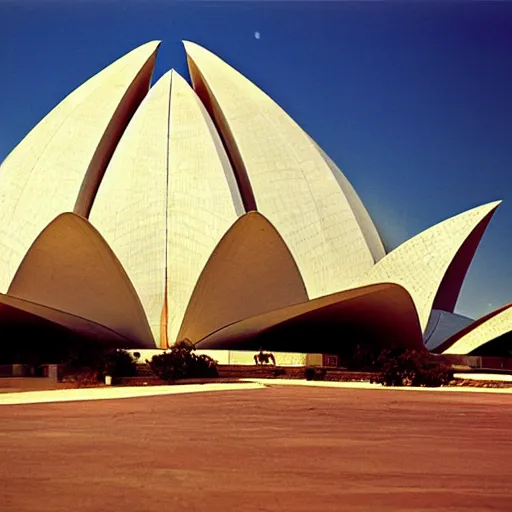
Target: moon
[(257, 35)]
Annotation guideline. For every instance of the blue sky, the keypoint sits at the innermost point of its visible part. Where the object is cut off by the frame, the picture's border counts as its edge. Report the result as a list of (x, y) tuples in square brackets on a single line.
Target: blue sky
[(413, 100)]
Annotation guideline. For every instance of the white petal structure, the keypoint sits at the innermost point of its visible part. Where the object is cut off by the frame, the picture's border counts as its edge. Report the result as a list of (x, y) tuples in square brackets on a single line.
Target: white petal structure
[(137, 218), (433, 263), (58, 166), (480, 332), (381, 314), (250, 272), (283, 175), (70, 269), (364, 220), (167, 198)]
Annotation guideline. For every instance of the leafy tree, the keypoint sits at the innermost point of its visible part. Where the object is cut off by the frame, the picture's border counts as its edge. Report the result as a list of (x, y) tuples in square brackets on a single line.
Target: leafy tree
[(98, 362), (180, 362), (401, 367), (118, 363)]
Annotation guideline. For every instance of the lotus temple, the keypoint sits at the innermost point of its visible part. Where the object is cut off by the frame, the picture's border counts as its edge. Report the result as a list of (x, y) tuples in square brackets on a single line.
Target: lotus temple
[(136, 215)]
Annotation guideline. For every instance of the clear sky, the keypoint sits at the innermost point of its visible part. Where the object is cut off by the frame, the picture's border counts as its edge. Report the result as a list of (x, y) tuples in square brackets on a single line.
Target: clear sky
[(412, 100)]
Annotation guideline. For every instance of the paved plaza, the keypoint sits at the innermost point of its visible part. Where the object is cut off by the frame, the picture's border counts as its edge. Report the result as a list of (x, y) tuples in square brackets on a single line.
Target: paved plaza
[(271, 448)]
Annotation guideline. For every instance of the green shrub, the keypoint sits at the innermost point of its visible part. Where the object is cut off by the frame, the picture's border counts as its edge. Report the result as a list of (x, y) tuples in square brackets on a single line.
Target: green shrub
[(185, 343), (314, 373), (118, 363), (361, 358), (84, 379), (309, 373), (180, 362), (84, 358), (412, 368), (98, 362)]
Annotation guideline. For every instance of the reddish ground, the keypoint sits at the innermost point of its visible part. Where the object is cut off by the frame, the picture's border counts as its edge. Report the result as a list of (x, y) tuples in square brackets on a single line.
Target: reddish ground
[(275, 449)]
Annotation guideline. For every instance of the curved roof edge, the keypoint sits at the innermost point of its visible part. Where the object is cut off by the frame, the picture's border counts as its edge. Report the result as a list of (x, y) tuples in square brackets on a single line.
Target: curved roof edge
[(251, 271), (442, 325), (383, 313), (71, 268), (122, 115), (480, 332), (82, 326), (420, 264), (449, 289), (362, 215), (209, 100)]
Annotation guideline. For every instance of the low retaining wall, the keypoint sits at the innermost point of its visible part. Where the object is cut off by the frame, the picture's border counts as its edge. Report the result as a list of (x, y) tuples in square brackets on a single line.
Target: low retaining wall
[(233, 373), (15, 384)]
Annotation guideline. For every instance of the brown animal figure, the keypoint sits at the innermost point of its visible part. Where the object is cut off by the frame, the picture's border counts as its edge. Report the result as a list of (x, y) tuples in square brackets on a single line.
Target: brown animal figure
[(264, 358)]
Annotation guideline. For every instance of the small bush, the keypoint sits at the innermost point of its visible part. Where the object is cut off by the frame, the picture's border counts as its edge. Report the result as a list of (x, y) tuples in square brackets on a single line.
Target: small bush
[(94, 363), (84, 358), (185, 343), (412, 368), (361, 358), (118, 363), (182, 363), (85, 379), (314, 373)]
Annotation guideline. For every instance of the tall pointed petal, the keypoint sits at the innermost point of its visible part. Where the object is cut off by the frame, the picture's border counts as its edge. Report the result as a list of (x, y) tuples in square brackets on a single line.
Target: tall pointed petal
[(250, 272), (58, 166), (167, 198), (420, 265), (283, 175), (71, 269)]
